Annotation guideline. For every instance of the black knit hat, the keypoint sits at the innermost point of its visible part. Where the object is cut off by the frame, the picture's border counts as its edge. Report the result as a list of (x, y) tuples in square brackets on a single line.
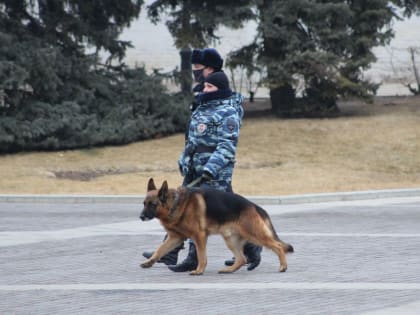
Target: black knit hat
[(208, 57), (218, 79)]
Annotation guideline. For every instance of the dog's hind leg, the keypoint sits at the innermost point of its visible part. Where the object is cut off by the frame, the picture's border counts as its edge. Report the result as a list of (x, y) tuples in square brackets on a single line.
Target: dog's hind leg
[(236, 245), (261, 233), (169, 244), (278, 248)]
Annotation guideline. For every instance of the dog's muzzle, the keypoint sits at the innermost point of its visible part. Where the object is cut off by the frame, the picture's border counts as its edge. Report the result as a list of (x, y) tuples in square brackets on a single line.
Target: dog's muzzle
[(148, 213), (145, 216)]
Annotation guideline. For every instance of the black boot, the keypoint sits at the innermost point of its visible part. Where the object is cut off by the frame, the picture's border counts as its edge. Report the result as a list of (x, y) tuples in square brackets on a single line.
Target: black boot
[(253, 256), (190, 262), (170, 258), (230, 262)]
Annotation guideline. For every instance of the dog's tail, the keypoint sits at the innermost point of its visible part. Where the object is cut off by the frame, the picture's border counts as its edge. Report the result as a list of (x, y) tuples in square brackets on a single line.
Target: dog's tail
[(286, 247), (289, 248)]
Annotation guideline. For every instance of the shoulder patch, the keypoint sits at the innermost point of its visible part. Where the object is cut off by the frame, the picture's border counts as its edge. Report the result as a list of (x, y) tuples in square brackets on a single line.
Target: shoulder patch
[(231, 125), (201, 128)]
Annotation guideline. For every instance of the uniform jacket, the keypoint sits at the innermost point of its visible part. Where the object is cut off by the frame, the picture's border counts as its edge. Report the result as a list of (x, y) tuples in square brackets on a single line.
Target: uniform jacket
[(212, 140)]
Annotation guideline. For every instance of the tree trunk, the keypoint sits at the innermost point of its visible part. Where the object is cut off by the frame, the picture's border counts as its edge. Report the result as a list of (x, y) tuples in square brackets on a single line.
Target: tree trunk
[(282, 100), (416, 72), (185, 79)]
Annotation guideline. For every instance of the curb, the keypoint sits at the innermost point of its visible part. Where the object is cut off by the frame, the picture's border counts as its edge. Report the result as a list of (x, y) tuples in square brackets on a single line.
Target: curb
[(261, 200)]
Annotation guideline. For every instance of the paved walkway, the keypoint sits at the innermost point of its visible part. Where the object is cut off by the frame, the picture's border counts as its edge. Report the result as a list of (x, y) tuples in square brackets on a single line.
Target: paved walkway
[(352, 257)]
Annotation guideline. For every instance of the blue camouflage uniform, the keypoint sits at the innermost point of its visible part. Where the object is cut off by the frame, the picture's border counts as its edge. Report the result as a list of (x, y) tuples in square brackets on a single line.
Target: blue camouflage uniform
[(212, 141)]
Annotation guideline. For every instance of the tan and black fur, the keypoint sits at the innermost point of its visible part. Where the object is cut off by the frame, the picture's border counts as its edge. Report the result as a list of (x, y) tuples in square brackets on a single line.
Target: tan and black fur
[(197, 213)]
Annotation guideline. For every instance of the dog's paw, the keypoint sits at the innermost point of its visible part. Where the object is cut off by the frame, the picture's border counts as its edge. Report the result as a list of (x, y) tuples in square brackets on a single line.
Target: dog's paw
[(283, 268), (147, 264), (196, 273)]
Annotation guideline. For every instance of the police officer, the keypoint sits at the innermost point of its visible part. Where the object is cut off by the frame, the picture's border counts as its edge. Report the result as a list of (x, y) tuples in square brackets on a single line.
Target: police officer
[(213, 134), (210, 150), (211, 141), (204, 62)]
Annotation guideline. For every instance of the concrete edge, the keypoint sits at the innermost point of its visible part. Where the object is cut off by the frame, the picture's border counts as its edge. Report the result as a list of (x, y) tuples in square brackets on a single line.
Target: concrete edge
[(261, 200)]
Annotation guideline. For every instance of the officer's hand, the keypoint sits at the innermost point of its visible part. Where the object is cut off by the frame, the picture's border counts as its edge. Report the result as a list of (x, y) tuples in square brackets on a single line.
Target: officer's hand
[(206, 177)]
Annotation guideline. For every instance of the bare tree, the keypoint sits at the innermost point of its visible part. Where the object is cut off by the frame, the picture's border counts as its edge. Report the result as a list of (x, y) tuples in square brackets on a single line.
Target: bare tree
[(413, 51), (404, 69), (243, 81)]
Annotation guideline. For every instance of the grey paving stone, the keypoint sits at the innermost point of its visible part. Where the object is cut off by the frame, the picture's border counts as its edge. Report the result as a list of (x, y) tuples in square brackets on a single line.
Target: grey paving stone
[(354, 243)]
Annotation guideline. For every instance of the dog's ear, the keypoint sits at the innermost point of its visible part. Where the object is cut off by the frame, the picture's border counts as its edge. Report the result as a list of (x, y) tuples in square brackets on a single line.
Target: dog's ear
[(151, 185), (163, 192)]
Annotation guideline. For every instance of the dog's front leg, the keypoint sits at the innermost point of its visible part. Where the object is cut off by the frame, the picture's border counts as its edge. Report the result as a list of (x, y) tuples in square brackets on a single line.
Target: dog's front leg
[(200, 242), (169, 244)]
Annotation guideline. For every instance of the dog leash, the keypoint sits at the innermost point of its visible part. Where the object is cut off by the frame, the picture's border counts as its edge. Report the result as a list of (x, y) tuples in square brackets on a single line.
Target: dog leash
[(194, 182)]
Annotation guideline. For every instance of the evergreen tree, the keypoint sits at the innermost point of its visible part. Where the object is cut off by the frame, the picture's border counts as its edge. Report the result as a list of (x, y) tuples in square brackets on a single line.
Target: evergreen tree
[(71, 24), (194, 24), (56, 95), (318, 49)]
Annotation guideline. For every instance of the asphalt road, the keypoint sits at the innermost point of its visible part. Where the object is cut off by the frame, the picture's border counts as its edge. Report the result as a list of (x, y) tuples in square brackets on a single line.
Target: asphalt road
[(354, 257)]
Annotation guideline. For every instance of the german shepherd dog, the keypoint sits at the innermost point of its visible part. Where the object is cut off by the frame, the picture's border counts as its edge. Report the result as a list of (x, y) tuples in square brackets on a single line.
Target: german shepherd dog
[(198, 212)]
